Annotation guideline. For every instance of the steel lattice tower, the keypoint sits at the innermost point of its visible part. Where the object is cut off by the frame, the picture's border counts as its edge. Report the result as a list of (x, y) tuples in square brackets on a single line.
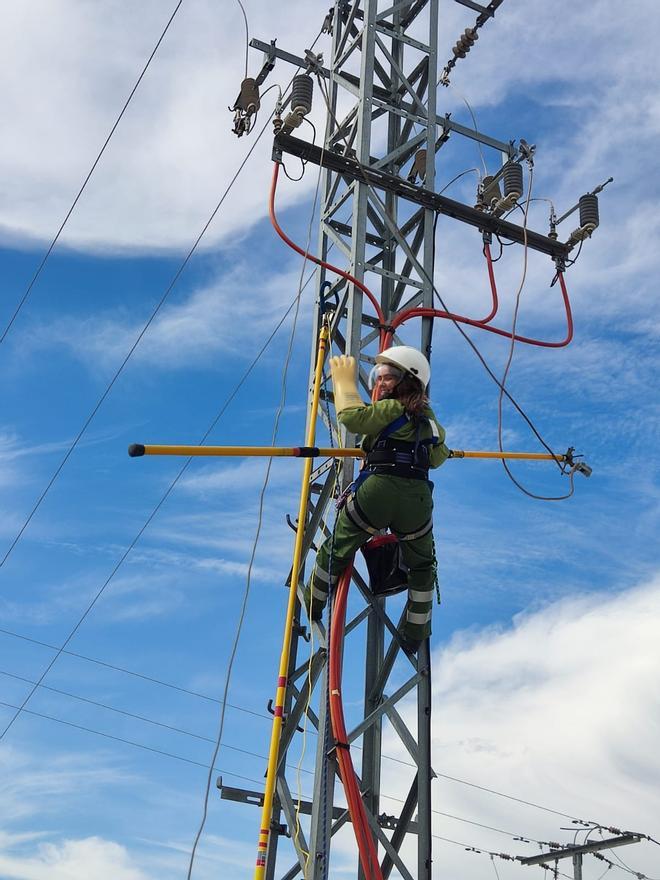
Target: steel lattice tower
[(377, 214)]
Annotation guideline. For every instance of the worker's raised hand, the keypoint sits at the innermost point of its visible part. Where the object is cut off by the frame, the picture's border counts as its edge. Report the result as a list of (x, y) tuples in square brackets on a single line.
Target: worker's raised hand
[(344, 382)]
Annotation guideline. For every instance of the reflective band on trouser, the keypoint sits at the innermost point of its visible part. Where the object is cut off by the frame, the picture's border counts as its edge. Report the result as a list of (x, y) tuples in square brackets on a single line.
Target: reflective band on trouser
[(411, 536), (416, 617), (325, 577), (357, 517), (421, 595), (321, 594)]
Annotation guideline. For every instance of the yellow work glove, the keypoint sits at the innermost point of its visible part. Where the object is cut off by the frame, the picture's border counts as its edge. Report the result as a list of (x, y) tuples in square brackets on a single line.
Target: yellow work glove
[(344, 383)]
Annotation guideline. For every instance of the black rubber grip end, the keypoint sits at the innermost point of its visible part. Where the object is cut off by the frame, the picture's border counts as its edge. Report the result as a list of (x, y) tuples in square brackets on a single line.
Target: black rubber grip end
[(135, 450)]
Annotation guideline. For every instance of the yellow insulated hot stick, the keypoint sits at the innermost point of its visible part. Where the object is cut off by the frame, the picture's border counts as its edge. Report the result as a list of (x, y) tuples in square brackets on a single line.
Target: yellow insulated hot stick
[(273, 753), (137, 449)]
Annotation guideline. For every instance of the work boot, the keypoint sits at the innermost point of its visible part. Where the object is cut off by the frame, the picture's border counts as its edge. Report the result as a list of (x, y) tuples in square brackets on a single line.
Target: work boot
[(313, 606)]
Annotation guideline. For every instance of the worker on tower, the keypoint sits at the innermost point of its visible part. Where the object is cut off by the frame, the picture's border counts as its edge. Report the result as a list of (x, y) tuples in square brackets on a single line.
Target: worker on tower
[(402, 439)]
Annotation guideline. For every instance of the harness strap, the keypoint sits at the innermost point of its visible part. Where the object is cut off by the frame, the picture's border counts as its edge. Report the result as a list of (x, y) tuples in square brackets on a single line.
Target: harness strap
[(411, 536), (357, 517)]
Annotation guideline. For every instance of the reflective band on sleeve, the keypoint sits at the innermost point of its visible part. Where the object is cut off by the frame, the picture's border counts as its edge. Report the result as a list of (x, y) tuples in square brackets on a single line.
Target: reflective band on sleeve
[(319, 594), (415, 617), (425, 529), (434, 429), (421, 595), (356, 518)]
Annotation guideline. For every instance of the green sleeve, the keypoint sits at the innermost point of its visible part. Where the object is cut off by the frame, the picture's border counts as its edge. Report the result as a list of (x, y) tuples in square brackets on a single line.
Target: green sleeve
[(439, 453), (370, 420)]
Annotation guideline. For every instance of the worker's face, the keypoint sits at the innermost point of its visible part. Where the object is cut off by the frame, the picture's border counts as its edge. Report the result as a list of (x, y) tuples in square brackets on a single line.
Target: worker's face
[(385, 382)]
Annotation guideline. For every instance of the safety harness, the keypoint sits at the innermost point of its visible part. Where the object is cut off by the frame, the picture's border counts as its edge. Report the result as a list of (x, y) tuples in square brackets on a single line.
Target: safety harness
[(403, 458)]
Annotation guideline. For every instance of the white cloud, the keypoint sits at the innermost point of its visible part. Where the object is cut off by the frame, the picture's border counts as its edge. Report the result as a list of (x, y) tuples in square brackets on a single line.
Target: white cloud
[(72, 860), (225, 317), (559, 710), (173, 153)]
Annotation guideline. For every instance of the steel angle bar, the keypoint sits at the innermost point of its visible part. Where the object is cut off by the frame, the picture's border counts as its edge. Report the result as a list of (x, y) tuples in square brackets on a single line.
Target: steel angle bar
[(483, 10), (402, 152), (415, 9), (405, 111), (383, 28), (383, 707), (405, 84), (369, 267), (416, 244), (343, 198), (446, 123), (297, 834), (395, 233), (404, 734), (348, 28), (296, 60), (298, 694), (402, 828), (350, 48), (335, 236), (386, 666), (303, 668), (345, 229), (391, 10), (357, 620), (387, 846)]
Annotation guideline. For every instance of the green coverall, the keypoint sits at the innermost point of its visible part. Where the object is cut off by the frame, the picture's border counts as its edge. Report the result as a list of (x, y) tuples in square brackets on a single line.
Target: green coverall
[(403, 505)]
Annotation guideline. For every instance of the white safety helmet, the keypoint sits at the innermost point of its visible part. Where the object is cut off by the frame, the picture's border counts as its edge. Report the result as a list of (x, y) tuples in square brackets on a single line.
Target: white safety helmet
[(408, 359)]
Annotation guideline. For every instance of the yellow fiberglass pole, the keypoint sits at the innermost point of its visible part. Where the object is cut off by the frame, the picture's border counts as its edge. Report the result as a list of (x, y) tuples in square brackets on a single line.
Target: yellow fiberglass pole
[(266, 813), (135, 450), (527, 456)]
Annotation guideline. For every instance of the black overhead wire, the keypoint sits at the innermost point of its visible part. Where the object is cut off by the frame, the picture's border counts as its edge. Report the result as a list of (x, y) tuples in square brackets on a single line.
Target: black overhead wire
[(87, 178), (151, 516), (247, 36), (129, 742), (138, 339), (257, 782), (265, 717)]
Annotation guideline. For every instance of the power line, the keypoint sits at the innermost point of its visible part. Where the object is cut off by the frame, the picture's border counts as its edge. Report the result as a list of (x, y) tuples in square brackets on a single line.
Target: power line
[(87, 178), (142, 332), (238, 708), (89, 419), (129, 742), (185, 760), (136, 716)]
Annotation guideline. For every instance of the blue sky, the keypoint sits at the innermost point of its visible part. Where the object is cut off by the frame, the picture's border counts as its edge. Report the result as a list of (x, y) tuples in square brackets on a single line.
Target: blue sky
[(545, 647)]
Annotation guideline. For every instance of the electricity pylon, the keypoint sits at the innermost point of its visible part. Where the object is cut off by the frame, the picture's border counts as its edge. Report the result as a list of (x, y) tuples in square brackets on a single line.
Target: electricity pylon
[(377, 212)]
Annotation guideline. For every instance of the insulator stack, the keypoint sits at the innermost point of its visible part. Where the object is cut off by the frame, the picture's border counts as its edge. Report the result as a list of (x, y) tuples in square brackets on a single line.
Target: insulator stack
[(513, 180), (301, 94), (465, 42), (589, 211)]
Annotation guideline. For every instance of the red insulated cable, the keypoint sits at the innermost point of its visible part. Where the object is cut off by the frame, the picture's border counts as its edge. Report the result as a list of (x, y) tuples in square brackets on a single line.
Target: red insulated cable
[(493, 285), (341, 272), (461, 319), (366, 846)]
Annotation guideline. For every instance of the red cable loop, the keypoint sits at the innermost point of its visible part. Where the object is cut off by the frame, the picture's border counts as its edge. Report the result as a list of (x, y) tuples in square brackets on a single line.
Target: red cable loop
[(461, 319), (341, 272), (366, 846), (493, 285)]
